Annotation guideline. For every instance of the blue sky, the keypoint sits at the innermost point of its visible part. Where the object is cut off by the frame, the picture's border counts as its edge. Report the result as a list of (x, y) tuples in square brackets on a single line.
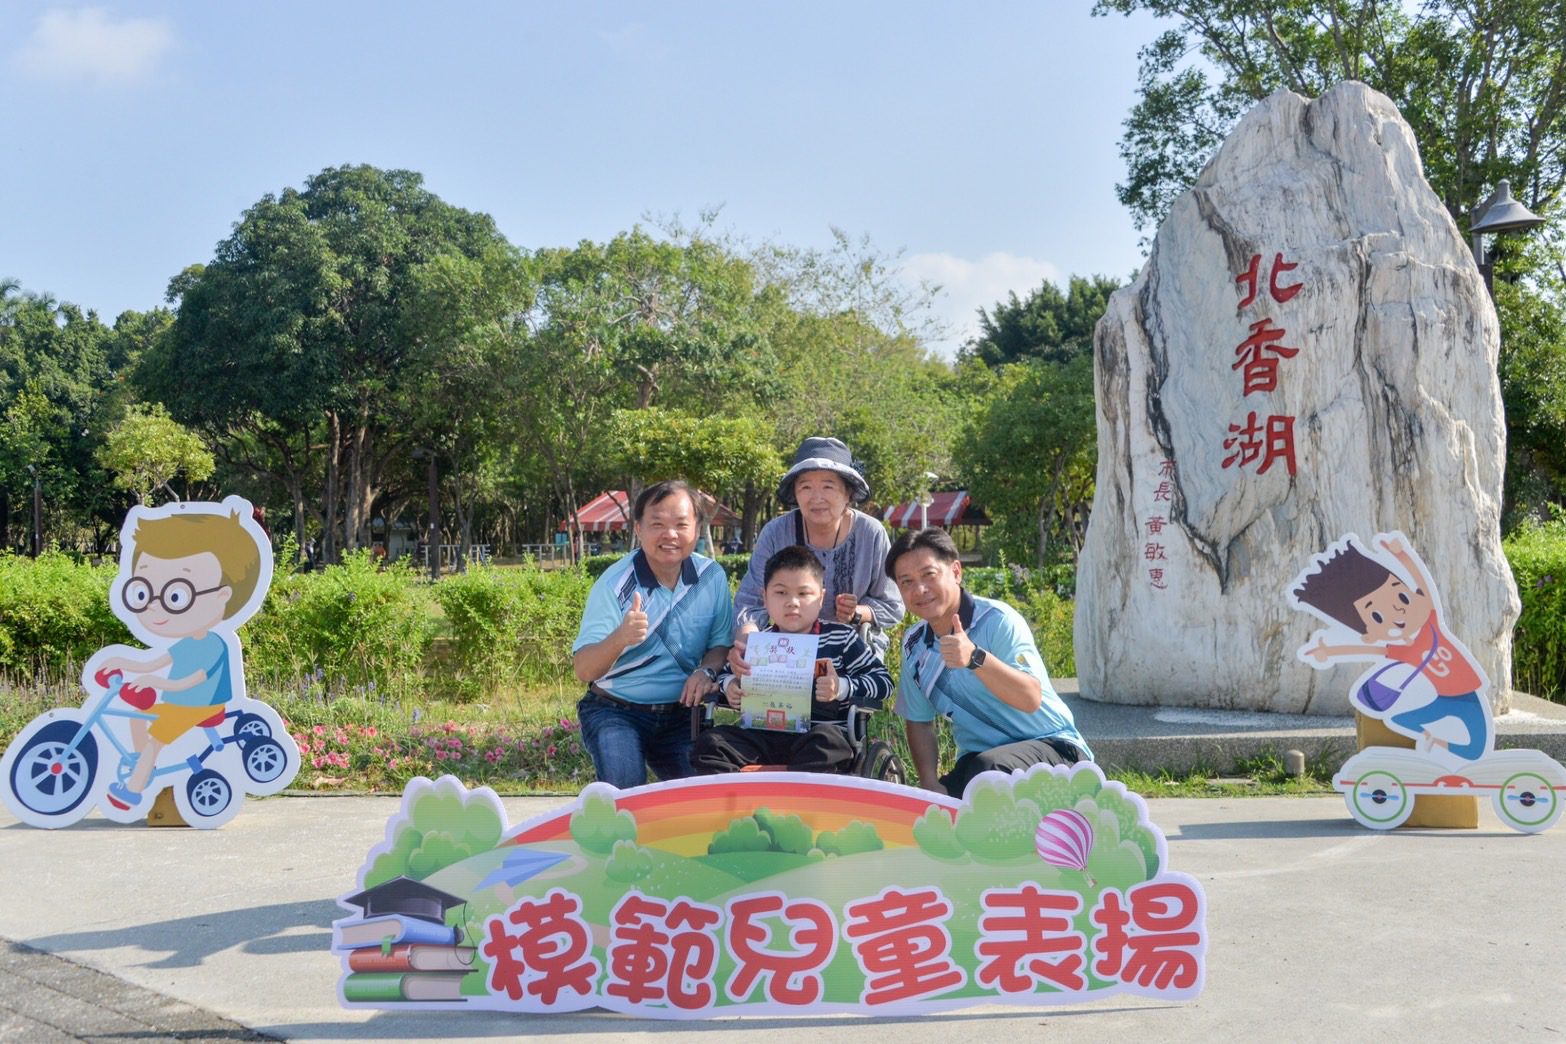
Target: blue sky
[(978, 139)]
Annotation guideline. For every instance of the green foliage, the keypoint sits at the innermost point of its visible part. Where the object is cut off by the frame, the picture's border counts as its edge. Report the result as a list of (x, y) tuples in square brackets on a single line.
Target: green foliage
[(351, 311), (857, 836), (1530, 299), (1028, 453), (788, 833), (741, 835), (716, 454), (357, 623), (1050, 326), (54, 614), (1032, 593), (148, 448), (936, 836), (1048, 790), (1537, 554), (628, 862), (508, 624), (60, 392), (445, 826), (995, 826), (1479, 85), (598, 826)]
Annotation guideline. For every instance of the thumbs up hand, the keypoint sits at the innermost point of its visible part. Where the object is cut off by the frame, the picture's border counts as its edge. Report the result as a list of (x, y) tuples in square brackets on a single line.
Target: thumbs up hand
[(829, 686), (633, 627), (956, 647)]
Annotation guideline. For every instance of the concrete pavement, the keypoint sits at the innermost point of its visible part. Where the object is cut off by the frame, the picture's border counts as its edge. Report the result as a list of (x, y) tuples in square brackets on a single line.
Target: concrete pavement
[(1318, 930), (1180, 739)]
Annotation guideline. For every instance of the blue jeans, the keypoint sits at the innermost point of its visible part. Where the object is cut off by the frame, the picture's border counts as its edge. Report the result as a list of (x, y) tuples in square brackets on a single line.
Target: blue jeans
[(625, 741), (1465, 708)]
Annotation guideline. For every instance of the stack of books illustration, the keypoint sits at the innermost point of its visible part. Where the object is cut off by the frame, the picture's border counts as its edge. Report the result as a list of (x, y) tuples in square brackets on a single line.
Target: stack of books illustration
[(401, 949)]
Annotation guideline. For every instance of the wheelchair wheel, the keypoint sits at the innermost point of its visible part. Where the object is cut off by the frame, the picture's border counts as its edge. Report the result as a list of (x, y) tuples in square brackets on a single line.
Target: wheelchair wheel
[(879, 762), (209, 793), (265, 759), (48, 778)]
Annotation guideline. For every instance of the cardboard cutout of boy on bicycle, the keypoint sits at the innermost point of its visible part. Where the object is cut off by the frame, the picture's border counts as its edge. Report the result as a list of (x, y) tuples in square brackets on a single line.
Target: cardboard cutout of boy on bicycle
[(172, 714), (1423, 683)]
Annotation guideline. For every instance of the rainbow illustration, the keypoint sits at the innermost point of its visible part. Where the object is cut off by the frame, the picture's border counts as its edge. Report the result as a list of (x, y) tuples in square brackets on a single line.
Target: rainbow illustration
[(681, 816)]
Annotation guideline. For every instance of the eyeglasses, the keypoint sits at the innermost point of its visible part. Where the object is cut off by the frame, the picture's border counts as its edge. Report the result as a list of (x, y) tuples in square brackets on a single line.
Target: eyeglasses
[(176, 596)]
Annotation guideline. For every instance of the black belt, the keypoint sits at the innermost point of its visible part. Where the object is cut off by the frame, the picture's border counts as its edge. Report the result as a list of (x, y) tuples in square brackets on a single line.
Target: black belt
[(651, 708)]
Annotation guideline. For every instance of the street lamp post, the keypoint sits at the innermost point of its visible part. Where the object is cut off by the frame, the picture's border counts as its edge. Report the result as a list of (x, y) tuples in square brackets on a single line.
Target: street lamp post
[(1498, 215), (925, 500)]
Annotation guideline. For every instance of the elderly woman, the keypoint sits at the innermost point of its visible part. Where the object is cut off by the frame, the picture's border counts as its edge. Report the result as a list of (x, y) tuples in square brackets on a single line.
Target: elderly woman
[(822, 486)]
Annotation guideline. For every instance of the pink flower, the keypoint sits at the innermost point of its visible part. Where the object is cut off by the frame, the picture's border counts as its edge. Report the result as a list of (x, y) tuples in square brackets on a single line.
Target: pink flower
[(551, 750), (315, 762), (371, 731), (319, 730), (440, 755)]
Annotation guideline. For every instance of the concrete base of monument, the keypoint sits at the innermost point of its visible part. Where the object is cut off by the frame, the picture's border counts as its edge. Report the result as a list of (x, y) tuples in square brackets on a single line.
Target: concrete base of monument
[(1187, 739)]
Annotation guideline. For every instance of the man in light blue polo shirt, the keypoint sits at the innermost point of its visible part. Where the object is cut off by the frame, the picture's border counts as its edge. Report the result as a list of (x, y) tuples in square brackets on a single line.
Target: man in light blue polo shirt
[(658, 624), (973, 661)]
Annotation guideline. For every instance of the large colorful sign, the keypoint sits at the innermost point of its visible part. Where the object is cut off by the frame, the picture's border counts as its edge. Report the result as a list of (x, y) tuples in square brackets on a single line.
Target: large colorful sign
[(1423, 683), (174, 714), (773, 892)]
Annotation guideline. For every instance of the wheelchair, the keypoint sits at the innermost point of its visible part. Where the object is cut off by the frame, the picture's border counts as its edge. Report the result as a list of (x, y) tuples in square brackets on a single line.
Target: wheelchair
[(873, 758)]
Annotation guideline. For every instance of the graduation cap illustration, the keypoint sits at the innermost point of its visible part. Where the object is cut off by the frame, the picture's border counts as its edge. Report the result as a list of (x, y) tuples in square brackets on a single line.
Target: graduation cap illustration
[(405, 896)]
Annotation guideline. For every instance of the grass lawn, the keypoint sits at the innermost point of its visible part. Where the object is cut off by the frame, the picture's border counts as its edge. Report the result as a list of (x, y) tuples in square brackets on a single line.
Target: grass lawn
[(524, 740)]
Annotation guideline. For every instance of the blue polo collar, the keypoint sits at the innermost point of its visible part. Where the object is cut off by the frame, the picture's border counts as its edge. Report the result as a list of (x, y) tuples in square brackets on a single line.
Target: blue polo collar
[(646, 578), (965, 607)]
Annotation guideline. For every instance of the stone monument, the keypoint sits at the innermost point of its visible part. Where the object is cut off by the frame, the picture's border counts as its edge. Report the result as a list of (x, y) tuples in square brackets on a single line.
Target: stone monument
[(1308, 351)]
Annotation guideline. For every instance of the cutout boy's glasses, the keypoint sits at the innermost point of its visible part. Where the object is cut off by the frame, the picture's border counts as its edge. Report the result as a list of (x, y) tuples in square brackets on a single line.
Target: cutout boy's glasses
[(176, 596)]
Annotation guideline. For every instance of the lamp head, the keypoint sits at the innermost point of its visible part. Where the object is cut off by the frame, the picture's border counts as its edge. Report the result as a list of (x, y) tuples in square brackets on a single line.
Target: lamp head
[(1502, 213)]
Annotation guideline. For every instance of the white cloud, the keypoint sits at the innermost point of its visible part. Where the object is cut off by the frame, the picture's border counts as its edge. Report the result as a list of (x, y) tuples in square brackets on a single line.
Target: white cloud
[(89, 44), (967, 286)]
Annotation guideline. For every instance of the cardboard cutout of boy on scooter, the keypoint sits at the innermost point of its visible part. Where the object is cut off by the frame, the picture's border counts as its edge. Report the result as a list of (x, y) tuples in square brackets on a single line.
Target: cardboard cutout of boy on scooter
[(1381, 607), (173, 714)]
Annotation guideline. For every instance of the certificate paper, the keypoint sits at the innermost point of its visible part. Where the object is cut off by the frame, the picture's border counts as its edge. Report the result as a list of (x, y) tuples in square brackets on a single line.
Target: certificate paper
[(782, 679)]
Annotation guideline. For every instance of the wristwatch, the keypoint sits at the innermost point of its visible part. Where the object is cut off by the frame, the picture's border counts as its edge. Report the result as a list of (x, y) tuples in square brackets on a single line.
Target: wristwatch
[(711, 674), (977, 659)]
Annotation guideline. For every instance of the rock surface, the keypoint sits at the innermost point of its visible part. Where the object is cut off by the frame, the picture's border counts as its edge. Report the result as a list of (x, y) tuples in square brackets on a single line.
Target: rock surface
[(1396, 415)]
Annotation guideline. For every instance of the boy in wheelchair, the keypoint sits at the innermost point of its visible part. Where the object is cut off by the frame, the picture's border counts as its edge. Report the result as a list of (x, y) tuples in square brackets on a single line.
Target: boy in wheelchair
[(848, 675)]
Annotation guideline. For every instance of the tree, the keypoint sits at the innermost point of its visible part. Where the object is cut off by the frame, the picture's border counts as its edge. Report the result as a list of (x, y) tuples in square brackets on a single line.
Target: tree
[(719, 455), (1028, 454), (60, 387), (632, 323), (1533, 371), (1481, 82), (148, 448), (1049, 325), (313, 320)]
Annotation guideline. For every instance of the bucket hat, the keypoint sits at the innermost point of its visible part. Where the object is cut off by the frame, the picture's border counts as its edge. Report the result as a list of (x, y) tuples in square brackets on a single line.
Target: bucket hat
[(819, 453)]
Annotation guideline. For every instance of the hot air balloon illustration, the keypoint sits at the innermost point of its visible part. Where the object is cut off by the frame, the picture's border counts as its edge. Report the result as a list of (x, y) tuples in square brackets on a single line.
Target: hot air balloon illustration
[(1065, 839)]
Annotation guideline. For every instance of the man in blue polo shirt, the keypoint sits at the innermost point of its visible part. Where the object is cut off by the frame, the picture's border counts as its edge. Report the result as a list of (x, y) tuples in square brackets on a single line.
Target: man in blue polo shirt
[(658, 624), (973, 661)]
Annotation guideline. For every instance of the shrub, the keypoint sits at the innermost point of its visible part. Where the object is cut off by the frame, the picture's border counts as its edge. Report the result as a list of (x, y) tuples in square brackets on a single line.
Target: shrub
[(54, 613), (357, 624), (510, 624), (1537, 554)]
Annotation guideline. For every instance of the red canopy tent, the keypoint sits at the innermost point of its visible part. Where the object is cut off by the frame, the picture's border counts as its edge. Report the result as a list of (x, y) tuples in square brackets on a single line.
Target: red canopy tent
[(610, 512), (952, 508)]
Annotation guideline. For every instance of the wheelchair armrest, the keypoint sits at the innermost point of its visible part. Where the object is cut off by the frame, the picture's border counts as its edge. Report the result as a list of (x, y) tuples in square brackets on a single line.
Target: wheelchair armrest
[(701, 714)]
